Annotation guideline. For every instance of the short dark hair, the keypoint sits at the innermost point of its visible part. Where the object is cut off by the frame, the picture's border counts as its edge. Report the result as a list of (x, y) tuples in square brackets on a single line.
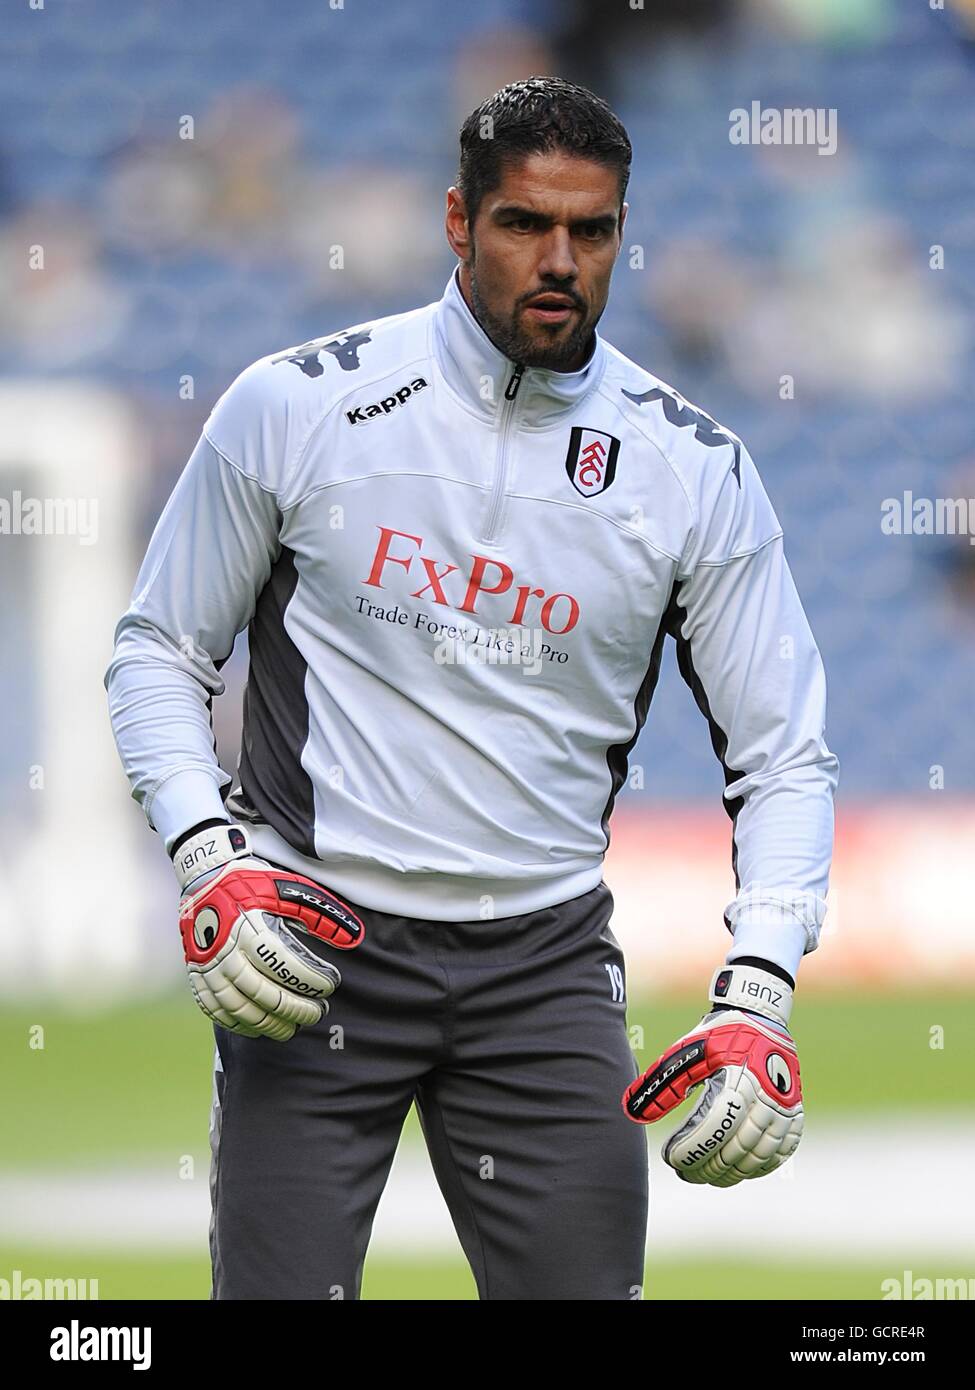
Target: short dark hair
[(535, 116)]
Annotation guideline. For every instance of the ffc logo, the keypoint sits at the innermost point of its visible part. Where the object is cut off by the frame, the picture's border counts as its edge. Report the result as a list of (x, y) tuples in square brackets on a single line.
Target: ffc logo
[(591, 460)]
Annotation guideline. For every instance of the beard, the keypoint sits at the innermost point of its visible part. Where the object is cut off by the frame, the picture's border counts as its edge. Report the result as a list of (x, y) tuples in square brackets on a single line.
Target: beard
[(563, 353)]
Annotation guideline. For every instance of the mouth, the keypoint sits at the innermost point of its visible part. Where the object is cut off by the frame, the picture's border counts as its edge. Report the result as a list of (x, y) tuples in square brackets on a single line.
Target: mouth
[(551, 308)]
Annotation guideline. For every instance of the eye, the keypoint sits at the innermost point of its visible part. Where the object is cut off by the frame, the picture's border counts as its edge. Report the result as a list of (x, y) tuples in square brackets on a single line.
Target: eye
[(592, 231), (522, 224)]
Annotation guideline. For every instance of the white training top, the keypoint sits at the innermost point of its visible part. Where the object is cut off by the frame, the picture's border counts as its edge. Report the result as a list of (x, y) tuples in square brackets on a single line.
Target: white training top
[(458, 576)]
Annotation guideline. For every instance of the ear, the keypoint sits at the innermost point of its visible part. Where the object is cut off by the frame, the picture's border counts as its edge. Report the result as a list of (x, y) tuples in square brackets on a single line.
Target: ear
[(456, 225), (623, 211)]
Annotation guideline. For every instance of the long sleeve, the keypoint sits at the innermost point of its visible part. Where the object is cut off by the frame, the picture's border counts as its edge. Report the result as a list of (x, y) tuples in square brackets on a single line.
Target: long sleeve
[(746, 650), (209, 557)]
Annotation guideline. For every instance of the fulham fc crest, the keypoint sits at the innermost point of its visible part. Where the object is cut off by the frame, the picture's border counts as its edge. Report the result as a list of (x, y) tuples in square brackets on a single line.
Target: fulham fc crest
[(591, 460)]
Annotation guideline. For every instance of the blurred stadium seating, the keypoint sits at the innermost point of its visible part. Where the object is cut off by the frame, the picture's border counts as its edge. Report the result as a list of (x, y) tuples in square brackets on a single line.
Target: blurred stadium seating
[(171, 263)]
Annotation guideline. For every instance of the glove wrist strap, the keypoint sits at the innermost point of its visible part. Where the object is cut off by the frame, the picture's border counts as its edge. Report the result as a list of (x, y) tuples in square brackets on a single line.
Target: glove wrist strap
[(210, 849), (750, 987)]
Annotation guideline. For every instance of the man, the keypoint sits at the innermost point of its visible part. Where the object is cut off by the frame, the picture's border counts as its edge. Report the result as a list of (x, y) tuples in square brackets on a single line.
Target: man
[(458, 538)]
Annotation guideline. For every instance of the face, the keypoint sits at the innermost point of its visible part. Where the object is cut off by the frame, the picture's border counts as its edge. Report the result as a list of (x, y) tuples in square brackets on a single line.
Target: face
[(536, 265)]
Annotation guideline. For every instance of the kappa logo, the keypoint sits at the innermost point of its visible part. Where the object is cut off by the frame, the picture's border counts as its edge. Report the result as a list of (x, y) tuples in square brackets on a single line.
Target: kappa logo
[(344, 347), (362, 414), (679, 413), (591, 460)]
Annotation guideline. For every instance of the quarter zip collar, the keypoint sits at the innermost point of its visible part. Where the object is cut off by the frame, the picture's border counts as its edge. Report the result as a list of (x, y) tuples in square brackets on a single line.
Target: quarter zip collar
[(468, 360)]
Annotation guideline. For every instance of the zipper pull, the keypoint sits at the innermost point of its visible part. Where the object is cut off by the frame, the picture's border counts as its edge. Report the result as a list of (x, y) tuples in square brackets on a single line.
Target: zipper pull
[(514, 381)]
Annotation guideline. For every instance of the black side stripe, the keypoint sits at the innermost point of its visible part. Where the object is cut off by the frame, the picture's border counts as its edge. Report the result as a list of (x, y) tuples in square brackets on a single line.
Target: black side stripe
[(274, 787), (617, 755), (719, 739), (217, 665)]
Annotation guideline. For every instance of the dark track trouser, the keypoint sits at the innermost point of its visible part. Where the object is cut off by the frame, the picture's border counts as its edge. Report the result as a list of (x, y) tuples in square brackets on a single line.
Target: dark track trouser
[(510, 1035)]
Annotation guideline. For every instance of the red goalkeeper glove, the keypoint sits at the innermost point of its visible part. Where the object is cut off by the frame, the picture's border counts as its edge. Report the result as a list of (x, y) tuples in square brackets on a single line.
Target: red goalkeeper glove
[(749, 1119), (255, 936)]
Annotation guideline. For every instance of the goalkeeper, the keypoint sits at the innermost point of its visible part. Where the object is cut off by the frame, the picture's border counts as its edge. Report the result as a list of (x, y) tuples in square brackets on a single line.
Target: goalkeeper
[(458, 538)]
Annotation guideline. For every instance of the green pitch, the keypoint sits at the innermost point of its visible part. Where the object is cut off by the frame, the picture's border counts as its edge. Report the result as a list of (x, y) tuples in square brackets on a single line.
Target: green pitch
[(135, 1082), (168, 1277)]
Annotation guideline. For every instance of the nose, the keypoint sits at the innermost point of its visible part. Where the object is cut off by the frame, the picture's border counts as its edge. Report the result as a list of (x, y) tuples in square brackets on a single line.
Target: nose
[(557, 262)]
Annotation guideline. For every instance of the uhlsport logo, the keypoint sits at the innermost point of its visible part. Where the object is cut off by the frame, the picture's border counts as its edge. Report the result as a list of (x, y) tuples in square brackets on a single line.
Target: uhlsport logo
[(777, 1069), (716, 1137), (284, 973), (206, 925), (362, 414), (591, 460)]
